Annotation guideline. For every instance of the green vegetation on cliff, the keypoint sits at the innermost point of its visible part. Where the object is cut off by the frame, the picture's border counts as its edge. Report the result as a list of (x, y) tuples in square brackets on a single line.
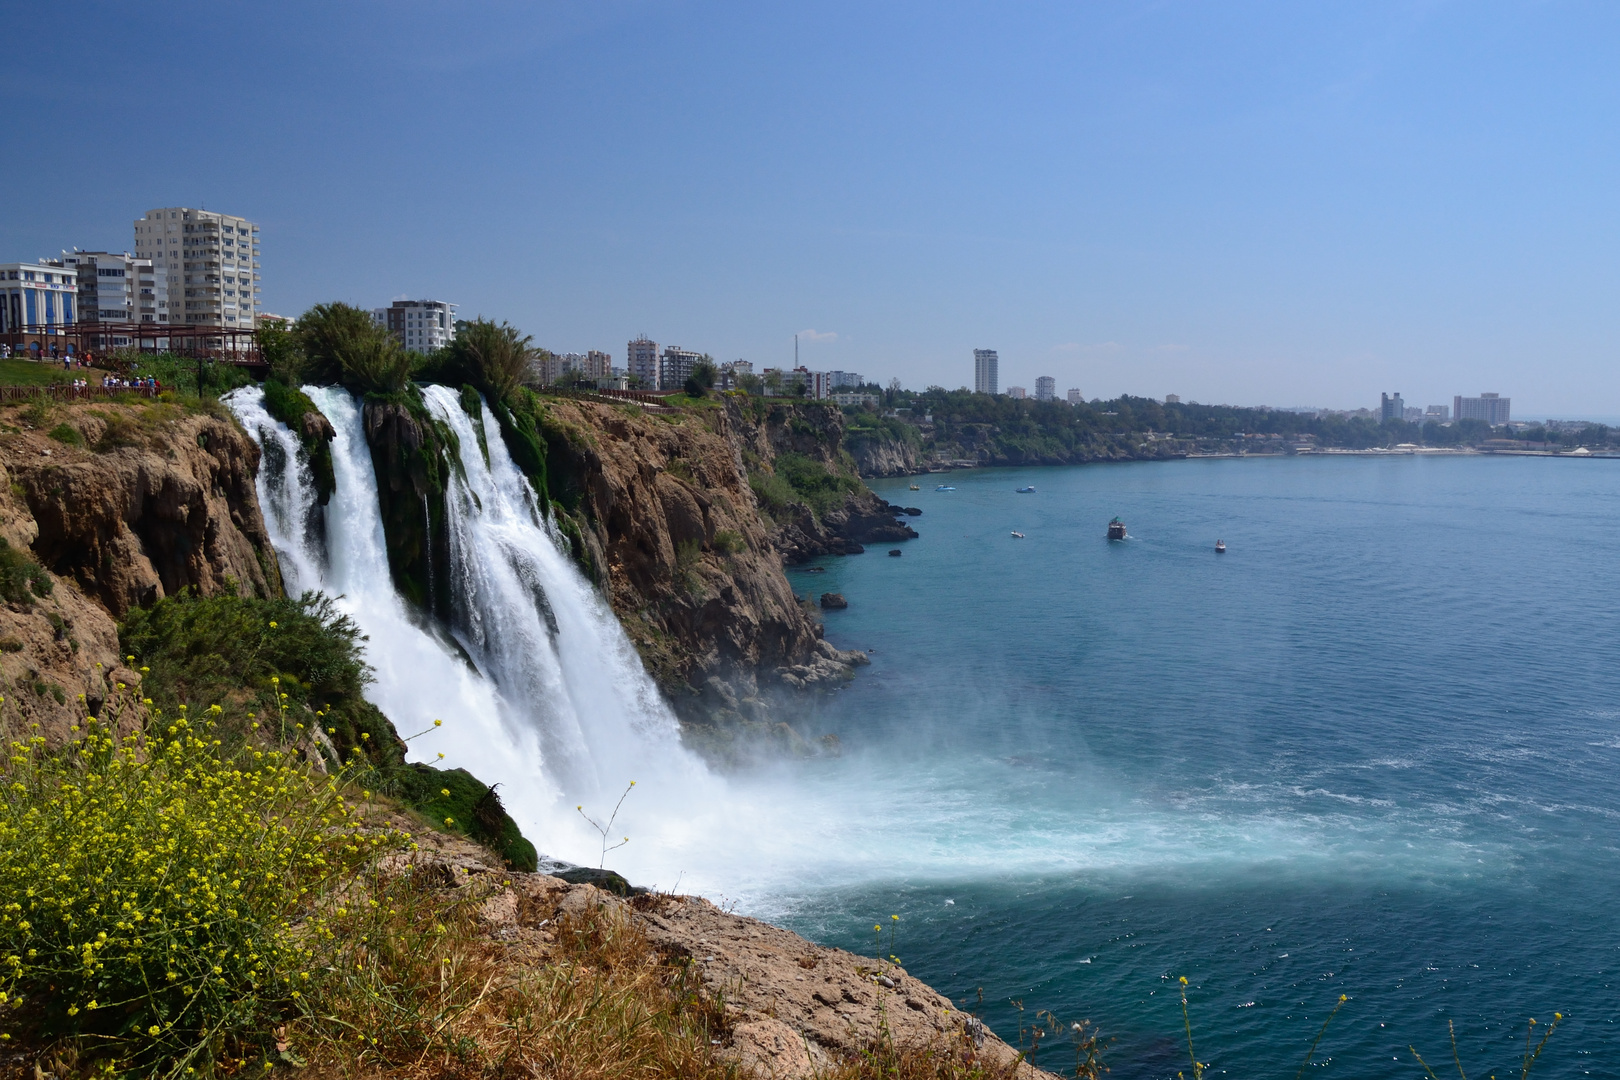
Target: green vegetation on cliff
[(799, 478), (242, 654), (413, 455), (21, 578), (302, 416)]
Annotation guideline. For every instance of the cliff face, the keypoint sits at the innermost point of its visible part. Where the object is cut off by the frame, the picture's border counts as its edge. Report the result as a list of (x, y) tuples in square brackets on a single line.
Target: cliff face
[(121, 505), (879, 454), (660, 508), (805, 482)]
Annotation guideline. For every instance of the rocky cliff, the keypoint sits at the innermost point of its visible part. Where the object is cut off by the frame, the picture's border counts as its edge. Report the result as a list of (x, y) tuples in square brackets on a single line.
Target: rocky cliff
[(806, 482), (120, 504), (662, 512)]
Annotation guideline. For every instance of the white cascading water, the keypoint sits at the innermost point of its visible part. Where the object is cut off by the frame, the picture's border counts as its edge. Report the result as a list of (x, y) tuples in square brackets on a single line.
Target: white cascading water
[(555, 706)]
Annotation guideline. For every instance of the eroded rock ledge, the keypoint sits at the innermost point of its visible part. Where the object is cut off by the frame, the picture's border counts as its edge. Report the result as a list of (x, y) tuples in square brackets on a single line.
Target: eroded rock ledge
[(793, 1008)]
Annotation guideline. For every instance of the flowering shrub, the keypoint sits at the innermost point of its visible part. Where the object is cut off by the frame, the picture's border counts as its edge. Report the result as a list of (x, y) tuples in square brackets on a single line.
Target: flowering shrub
[(160, 897)]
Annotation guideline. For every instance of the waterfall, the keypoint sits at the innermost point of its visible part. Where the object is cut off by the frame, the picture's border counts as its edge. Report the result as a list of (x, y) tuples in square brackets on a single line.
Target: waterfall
[(539, 688), (286, 489)]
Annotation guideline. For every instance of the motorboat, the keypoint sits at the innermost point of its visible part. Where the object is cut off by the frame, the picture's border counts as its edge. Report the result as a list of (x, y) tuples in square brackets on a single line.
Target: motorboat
[(1220, 547), (945, 487), (1116, 529), (1025, 490), (914, 487), (1017, 535)]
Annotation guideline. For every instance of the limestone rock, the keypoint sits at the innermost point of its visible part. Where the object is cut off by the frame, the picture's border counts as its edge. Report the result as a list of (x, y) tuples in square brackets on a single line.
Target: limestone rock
[(832, 601)]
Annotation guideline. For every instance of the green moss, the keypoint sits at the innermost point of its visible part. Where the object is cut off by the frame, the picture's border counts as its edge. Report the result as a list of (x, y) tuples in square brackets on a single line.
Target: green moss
[(414, 456), (21, 578), (472, 403), (522, 420), (454, 800), (289, 404), (67, 433)]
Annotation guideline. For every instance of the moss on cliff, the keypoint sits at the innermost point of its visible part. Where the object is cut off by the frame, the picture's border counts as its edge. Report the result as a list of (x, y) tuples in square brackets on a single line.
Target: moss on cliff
[(522, 419), (294, 408), (413, 455)]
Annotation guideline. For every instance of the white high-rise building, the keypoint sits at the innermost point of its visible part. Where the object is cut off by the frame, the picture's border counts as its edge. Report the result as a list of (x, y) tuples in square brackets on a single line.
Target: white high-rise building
[(1045, 388), (209, 264), (117, 287), (419, 325), (1494, 409), (986, 380)]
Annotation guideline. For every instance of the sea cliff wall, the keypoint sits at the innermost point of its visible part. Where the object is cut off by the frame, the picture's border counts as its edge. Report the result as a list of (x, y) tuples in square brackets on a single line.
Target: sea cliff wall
[(121, 505)]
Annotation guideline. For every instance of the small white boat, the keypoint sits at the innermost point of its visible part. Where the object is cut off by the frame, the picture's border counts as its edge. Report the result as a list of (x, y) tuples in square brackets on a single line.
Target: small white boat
[(945, 487), (1220, 547), (914, 487), (1017, 535), (1025, 490)]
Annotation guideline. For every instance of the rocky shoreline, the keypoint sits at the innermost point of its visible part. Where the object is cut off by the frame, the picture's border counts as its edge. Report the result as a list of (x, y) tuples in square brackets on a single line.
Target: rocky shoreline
[(793, 1009)]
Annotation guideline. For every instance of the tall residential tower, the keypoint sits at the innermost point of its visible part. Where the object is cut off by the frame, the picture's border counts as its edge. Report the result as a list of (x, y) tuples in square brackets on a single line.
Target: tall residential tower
[(208, 262), (985, 378)]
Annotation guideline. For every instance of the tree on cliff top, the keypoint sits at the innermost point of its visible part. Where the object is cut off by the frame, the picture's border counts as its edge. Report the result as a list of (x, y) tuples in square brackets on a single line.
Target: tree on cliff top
[(341, 343), (492, 356)]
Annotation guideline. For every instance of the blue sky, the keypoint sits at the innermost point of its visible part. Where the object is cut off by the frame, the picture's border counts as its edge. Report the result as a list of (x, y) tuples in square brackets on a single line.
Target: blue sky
[(1283, 203)]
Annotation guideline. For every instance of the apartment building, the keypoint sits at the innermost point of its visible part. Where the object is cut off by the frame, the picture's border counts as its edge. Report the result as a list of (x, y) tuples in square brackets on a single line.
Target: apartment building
[(209, 263), (844, 380), (1494, 409), (641, 361), (1045, 388), (675, 365), (419, 325), (1077, 398), (37, 295), (117, 287), (1017, 393), (986, 380)]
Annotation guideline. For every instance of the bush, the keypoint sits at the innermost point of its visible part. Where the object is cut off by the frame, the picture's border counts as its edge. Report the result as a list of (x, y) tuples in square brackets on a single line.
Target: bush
[(157, 896), (67, 433), (492, 356), (341, 343), (814, 484), (242, 654), (226, 650), (21, 578)]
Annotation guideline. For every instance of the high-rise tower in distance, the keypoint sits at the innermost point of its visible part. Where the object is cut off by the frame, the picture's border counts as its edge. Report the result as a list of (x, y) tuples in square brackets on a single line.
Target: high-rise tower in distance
[(985, 378)]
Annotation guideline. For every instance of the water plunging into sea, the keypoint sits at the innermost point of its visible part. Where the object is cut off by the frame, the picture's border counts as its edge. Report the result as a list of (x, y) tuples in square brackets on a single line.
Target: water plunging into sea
[(1369, 750)]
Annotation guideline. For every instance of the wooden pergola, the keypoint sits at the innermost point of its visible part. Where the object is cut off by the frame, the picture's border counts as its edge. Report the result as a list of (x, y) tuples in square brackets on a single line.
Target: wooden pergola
[(221, 344)]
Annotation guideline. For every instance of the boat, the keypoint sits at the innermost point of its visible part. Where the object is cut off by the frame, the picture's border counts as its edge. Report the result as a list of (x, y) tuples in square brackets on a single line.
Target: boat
[(914, 487), (945, 487), (1220, 547), (1017, 535), (1116, 529), (1025, 490)]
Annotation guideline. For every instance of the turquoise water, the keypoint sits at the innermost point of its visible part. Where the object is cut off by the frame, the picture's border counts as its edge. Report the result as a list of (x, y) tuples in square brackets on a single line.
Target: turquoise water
[(1373, 749)]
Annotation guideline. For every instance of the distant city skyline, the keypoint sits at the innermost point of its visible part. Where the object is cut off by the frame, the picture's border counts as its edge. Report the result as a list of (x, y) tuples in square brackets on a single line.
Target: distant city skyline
[(1256, 205)]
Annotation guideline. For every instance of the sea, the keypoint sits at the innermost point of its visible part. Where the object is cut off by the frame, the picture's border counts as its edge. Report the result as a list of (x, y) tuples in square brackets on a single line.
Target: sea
[(1371, 750)]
